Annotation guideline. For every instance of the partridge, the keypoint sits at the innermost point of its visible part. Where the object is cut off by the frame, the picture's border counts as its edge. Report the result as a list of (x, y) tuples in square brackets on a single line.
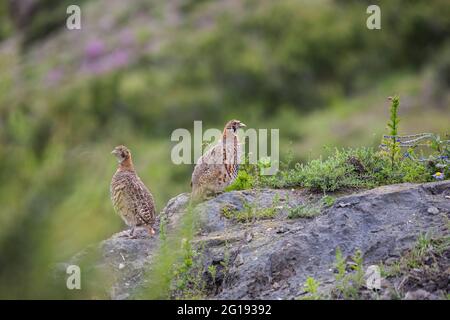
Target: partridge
[(218, 167), (130, 197)]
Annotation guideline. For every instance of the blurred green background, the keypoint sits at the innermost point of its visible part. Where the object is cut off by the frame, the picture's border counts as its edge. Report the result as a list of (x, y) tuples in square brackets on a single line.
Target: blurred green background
[(139, 69)]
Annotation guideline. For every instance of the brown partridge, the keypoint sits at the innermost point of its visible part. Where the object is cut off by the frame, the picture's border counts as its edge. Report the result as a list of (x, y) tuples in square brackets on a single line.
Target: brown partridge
[(130, 197), (218, 167)]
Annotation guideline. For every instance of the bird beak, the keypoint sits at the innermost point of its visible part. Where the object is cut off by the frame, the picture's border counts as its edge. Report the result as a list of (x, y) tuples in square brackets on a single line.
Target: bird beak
[(114, 152), (242, 125)]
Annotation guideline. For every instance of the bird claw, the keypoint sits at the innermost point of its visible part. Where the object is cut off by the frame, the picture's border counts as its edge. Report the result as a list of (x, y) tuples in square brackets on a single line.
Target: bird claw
[(124, 234), (127, 235), (131, 234)]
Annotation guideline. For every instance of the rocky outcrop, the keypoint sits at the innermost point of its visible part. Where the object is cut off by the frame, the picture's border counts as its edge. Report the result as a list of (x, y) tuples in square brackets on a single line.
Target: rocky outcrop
[(271, 258)]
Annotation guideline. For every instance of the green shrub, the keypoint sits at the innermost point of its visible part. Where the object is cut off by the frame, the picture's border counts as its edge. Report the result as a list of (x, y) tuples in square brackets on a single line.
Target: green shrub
[(359, 168), (243, 181), (334, 173), (390, 142), (348, 284), (304, 211), (251, 212), (328, 201), (440, 162), (187, 276), (311, 287), (414, 172)]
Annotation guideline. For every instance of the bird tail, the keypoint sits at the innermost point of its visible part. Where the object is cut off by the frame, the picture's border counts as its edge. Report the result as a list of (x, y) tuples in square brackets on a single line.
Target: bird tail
[(196, 195)]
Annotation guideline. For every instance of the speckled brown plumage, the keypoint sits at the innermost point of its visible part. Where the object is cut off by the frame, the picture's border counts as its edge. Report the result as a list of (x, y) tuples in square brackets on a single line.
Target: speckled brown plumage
[(130, 197), (218, 167)]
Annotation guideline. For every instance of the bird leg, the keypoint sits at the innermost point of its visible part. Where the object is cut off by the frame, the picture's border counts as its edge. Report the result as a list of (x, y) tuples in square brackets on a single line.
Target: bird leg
[(131, 235)]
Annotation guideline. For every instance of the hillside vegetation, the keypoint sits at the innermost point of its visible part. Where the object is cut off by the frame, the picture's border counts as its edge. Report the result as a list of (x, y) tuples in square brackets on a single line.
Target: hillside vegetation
[(140, 69)]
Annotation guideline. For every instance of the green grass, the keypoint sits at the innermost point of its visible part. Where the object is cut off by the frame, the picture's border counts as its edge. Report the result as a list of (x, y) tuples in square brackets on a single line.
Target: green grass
[(304, 211), (187, 281), (365, 167), (269, 66), (347, 169), (311, 210), (251, 212), (174, 260), (328, 201), (243, 181), (425, 246), (348, 284), (423, 256), (311, 288)]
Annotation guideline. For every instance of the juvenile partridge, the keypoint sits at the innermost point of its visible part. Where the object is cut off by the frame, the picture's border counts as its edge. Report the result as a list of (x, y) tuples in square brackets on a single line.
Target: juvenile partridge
[(218, 167), (130, 197)]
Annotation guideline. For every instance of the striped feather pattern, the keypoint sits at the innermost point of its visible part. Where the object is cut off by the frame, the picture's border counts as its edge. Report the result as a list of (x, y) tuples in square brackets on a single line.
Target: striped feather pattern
[(219, 166), (131, 199)]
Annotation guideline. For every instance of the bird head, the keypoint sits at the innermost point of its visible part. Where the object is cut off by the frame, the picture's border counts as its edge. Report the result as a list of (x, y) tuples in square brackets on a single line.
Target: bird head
[(234, 125), (122, 153)]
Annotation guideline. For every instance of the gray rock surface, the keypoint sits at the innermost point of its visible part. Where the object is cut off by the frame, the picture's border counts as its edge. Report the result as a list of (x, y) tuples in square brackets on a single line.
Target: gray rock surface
[(272, 258)]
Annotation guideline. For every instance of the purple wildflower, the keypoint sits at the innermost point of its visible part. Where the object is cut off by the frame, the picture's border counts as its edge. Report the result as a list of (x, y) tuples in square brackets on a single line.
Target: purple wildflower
[(94, 49)]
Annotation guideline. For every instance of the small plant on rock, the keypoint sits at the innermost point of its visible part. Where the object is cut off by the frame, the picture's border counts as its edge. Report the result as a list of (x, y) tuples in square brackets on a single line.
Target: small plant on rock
[(304, 211), (249, 175), (327, 201), (348, 285), (251, 212), (391, 141), (187, 277), (311, 287), (212, 270)]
